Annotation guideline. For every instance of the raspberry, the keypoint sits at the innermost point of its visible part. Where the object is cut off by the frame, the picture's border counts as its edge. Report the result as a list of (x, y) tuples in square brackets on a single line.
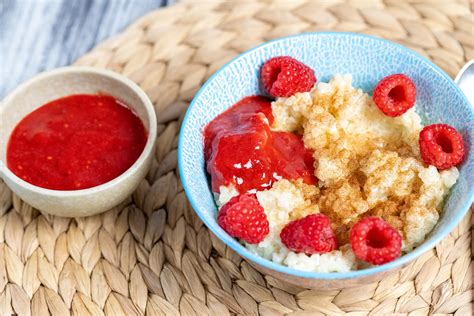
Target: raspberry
[(441, 146), (375, 241), (311, 234), (395, 94), (243, 217), (284, 76)]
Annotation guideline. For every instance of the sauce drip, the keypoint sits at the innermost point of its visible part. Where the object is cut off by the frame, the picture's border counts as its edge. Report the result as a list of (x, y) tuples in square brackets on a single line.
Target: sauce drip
[(241, 149), (76, 142)]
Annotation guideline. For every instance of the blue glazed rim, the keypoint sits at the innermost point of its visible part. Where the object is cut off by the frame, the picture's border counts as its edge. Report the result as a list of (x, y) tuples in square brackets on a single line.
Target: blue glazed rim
[(400, 262)]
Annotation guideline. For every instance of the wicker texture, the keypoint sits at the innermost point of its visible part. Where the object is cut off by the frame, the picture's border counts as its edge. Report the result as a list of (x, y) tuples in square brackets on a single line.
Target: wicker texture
[(152, 255)]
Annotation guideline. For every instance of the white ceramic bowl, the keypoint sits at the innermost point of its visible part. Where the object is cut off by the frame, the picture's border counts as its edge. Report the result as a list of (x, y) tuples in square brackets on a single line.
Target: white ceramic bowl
[(59, 83)]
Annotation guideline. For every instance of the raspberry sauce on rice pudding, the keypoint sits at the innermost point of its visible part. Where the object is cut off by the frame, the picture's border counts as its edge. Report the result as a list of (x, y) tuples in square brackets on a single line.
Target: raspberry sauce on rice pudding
[(324, 177)]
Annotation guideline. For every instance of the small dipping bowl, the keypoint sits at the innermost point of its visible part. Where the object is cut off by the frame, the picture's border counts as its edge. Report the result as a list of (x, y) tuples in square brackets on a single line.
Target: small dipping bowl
[(63, 82)]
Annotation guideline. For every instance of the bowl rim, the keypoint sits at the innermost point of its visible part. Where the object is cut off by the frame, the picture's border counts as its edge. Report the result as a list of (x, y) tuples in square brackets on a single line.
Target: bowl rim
[(5, 172), (268, 264)]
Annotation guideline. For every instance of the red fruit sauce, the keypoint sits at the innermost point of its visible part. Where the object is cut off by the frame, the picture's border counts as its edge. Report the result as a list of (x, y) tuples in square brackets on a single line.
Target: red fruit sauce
[(76, 142), (241, 149)]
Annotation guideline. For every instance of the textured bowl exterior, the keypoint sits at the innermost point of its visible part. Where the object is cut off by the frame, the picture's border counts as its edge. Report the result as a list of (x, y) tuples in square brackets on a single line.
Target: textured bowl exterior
[(325, 284), (62, 82), (368, 59)]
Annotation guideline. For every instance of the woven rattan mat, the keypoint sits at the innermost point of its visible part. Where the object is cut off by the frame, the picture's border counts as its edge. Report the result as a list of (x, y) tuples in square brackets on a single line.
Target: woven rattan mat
[(152, 255)]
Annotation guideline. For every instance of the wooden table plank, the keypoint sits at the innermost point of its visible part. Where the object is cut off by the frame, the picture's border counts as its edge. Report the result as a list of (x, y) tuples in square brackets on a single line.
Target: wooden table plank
[(37, 35)]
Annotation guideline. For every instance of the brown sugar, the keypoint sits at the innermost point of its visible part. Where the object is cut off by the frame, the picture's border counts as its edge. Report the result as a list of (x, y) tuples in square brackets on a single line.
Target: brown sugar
[(366, 163)]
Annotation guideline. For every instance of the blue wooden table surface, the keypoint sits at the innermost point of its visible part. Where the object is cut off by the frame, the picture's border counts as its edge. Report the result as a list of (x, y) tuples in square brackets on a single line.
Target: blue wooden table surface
[(37, 35)]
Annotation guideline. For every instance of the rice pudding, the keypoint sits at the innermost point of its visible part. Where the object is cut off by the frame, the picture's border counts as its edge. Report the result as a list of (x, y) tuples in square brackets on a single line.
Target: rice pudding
[(367, 165)]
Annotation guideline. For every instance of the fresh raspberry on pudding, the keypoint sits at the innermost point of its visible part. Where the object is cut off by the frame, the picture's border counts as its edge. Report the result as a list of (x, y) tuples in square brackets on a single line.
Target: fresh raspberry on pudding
[(243, 217), (395, 94), (373, 240), (284, 76), (441, 146), (310, 234)]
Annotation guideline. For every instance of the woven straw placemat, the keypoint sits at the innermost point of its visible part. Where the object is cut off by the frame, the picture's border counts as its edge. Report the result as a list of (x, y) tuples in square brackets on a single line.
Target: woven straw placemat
[(152, 255)]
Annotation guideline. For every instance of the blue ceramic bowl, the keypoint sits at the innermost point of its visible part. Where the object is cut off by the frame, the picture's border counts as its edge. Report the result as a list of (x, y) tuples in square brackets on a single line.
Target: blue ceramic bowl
[(368, 59)]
